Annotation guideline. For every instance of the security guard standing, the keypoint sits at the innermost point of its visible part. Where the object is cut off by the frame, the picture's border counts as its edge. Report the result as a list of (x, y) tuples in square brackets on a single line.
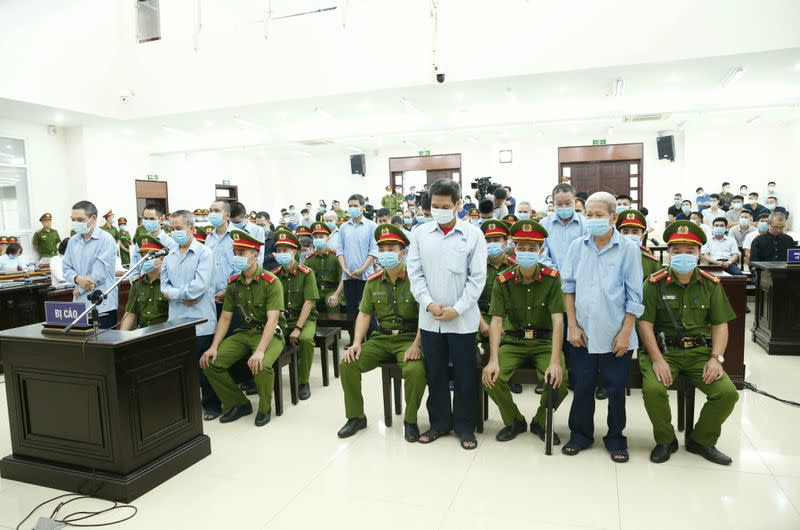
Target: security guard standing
[(124, 241), (46, 240), (109, 227), (388, 296), (146, 303), (686, 308), (258, 296), (327, 271), (527, 326), (391, 201), (633, 225), (300, 298)]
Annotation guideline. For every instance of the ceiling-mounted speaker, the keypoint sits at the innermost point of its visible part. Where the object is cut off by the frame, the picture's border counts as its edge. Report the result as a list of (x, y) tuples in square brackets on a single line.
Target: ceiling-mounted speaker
[(666, 148), (52, 130), (357, 165)]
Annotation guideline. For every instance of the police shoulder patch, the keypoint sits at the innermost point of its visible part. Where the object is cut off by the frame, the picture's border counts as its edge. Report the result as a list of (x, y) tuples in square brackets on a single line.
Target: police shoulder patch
[(512, 261), (304, 269), (503, 277), (550, 272), (233, 278), (269, 277), (658, 276), (709, 276), (375, 276), (649, 256), (276, 271)]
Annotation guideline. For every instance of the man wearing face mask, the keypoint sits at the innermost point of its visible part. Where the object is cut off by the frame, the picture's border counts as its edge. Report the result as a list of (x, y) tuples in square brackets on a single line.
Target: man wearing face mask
[(356, 250), (624, 203), (240, 220), (109, 227), (447, 267), (11, 260), (522, 332), (721, 249), (46, 240), (686, 211), (762, 227), (152, 216), (221, 245), (733, 215), (327, 271), (713, 211), (771, 190), (675, 210), (771, 205), (306, 248), (600, 267), (474, 217), (743, 228), (725, 196), (90, 261), (689, 307), (258, 296), (300, 299), (397, 338), (633, 224), (146, 304), (756, 208), (124, 242), (702, 200), (524, 210), (773, 245), (563, 226)]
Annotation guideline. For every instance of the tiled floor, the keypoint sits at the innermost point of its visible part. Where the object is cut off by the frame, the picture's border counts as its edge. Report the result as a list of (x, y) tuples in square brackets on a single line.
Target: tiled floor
[(296, 474)]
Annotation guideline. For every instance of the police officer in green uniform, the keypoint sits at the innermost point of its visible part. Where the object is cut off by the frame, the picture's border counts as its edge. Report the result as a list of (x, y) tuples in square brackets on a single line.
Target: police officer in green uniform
[(109, 227), (388, 296), (326, 269), (300, 299), (258, 296), (684, 329), (527, 326), (392, 201), (633, 224), (124, 241), (46, 240), (146, 304)]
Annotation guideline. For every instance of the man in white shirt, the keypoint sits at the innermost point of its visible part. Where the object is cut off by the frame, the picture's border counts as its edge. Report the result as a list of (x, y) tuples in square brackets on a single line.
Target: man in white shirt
[(714, 211), (57, 265), (743, 228), (697, 218), (720, 249)]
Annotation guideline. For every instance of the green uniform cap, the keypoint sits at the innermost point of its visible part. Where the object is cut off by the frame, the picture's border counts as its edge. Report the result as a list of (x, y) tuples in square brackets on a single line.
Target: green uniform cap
[(684, 232), (495, 228), (148, 242), (242, 239), (632, 218), (284, 236), (528, 230), (390, 234)]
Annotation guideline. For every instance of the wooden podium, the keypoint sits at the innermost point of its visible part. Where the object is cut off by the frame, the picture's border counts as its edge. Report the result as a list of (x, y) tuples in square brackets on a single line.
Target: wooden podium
[(776, 326), (114, 418)]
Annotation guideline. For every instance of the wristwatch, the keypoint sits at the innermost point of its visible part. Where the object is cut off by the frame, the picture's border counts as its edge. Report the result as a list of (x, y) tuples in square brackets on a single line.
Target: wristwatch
[(720, 358)]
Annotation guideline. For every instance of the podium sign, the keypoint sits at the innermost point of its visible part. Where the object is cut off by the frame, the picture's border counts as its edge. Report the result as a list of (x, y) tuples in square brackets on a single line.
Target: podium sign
[(63, 313)]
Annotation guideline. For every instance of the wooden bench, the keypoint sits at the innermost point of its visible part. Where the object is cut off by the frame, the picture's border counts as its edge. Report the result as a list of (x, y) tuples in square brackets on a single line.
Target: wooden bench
[(328, 339), (338, 320), (288, 358)]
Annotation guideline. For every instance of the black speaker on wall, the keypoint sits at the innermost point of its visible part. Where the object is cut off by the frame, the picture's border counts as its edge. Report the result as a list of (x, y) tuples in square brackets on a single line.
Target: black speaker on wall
[(666, 148), (357, 165)]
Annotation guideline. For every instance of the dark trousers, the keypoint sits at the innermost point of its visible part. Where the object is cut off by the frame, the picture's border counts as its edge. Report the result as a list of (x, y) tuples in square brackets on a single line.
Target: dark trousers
[(353, 290), (734, 270), (108, 320), (239, 371), (459, 348), (585, 369), (209, 399)]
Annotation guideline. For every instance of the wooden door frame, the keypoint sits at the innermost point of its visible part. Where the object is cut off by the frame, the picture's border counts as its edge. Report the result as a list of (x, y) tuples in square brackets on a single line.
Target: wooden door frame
[(424, 163), (166, 191), (604, 153)]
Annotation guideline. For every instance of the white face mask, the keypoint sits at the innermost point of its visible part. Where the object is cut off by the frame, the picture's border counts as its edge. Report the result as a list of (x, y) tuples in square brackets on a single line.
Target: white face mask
[(442, 215)]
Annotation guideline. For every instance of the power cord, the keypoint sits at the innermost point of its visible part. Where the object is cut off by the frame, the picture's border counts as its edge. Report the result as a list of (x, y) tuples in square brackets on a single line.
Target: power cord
[(754, 388), (71, 518)]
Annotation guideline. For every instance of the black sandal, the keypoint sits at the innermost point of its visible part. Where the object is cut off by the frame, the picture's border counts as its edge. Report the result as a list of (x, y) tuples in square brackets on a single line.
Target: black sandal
[(571, 449), (468, 441), (620, 457), (431, 436)]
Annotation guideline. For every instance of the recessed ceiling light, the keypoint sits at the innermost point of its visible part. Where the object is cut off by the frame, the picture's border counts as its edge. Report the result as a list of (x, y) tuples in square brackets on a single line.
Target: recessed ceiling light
[(753, 119), (619, 87), (734, 75), (510, 95), (459, 96), (59, 118)]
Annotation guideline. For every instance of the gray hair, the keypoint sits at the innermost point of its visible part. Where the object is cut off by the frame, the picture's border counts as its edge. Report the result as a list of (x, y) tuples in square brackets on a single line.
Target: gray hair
[(525, 203), (330, 215), (184, 215), (776, 217), (603, 196), (226, 206)]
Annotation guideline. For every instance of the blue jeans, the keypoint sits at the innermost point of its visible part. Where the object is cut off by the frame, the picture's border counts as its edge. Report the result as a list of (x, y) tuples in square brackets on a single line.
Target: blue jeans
[(734, 270), (209, 399), (584, 371)]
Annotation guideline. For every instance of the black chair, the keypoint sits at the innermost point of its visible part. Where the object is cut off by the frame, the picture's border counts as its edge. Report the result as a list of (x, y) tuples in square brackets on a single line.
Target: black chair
[(338, 320), (685, 390), (288, 358), (391, 372), (328, 339)]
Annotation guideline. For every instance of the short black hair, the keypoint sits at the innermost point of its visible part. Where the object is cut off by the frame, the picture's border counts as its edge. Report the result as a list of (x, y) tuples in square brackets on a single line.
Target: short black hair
[(156, 207), (356, 197), (304, 211), (771, 182), (713, 196), (737, 197), (508, 188), (686, 200), (698, 189), (753, 193), (748, 212), (397, 220), (446, 187), (62, 247), (644, 211), (772, 197), (726, 183), (763, 216), (425, 201), (263, 214), (284, 210), (382, 212), (500, 193), (305, 241), (485, 206), (291, 206), (563, 188), (13, 248), (624, 197), (720, 220), (678, 195), (238, 209), (86, 206)]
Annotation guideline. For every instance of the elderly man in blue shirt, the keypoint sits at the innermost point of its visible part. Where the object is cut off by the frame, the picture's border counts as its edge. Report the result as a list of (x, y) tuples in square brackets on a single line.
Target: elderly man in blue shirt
[(602, 284), (447, 268), (356, 250), (187, 281), (90, 262)]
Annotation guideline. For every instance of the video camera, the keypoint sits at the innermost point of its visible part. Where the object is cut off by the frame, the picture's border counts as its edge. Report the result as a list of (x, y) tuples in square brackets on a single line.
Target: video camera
[(484, 186)]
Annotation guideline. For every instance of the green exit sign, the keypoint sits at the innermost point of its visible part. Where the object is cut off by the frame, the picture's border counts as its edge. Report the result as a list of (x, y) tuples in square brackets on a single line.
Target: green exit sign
[(424, 153), (152, 177), (600, 141), (226, 182)]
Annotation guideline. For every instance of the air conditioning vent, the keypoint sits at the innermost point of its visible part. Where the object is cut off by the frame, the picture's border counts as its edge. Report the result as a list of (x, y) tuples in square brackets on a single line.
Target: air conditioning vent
[(636, 118), (312, 143)]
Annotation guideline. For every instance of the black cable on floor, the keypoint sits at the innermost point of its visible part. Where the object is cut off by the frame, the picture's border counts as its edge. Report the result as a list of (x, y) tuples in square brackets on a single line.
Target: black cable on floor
[(754, 388), (72, 518)]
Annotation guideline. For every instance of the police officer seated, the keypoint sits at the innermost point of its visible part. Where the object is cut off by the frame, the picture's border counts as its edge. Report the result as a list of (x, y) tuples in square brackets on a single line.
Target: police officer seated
[(146, 305), (687, 309)]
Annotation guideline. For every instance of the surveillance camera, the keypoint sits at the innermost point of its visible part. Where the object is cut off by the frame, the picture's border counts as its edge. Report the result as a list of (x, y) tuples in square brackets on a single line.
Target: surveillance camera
[(126, 95), (440, 78)]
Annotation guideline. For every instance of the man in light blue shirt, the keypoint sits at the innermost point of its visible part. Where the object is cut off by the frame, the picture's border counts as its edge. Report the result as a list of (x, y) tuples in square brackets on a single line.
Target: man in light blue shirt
[(187, 281), (602, 284), (563, 226), (152, 217), (447, 269), (356, 250), (221, 245), (239, 219), (90, 262)]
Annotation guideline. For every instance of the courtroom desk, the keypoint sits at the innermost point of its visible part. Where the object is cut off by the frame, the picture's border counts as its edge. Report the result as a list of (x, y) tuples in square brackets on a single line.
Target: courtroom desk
[(776, 323), (114, 416), (22, 300), (64, 294)]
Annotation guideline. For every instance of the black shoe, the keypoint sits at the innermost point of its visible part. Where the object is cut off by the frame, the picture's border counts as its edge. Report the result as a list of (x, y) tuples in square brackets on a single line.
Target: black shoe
[(249, 388), (515, 388), (712, 454), (538, 430), (600, 393), (509, 432), (411, 432), (539, 389), (351, 427), (662, 452), (747, 309), (262, 418), (305, 391), (236, 412)]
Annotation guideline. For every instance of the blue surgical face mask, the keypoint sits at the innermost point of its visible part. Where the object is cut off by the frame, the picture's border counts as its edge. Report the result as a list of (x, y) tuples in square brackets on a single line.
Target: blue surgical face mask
[(527, 260), (151, 225), (407, 221), (240, 263), (319, 243), (597, 227), (388, 260), (216, 219), (123, 227), (523, 216), (744, 222), (770, 206), (736, 205), (239, 225), (565, 213), (678, 202), (621, 208), (354, 211), (763, 226), (424, 220), (165, 223), (686, 209), (633, 237), (148, 266), (180, 237), (283, 258), (494, 249), (718, 230), (80, 227), (683, 263), (332, 226)]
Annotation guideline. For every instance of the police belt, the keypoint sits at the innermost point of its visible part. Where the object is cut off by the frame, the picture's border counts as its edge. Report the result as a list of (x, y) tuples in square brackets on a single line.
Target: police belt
[(260, 328), (404, 329), (530, 334), (326, 285), (687, 343)]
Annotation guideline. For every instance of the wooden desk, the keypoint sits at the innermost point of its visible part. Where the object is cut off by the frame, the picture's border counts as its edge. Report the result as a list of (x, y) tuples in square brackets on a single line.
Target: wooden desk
[(22, 301), (776, 323)]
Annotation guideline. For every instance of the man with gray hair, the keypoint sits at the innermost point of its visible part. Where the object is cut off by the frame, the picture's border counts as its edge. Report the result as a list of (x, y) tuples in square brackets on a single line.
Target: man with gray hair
[(773, 245), (602, 284), (524, 210)]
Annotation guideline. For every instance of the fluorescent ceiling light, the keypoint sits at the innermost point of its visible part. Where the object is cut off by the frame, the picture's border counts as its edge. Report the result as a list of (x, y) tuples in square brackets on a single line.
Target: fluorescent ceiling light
[(619, 87), (753, 119), (172, 130), (734, 75), (510, 96), (682, 126), (243, 121), (409, 106), (324, 113), (59, 118), (459, 96)]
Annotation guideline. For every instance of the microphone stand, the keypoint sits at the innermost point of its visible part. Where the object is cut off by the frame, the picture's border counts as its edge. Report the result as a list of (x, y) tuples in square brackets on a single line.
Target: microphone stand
[(98, 297)]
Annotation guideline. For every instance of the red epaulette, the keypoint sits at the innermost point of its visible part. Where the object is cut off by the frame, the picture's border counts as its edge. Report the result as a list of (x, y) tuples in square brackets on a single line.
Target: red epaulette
[(512, 261), (375, 276), (304, 269), (658, 276), (503, 277), (276, 271), (233, 278), (713, 277), (647, 254), (269, 277), (550, 272)]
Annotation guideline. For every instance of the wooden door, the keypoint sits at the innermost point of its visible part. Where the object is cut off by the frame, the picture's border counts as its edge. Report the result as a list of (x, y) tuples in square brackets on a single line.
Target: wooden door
[(436, 174)]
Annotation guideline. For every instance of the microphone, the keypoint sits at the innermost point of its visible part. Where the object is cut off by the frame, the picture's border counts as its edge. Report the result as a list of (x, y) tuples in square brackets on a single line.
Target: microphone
[(153, 254)]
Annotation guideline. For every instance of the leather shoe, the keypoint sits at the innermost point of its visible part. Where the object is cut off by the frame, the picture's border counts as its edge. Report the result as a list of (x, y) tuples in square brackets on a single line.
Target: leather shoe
[(236, 412), (411, 432), (712, 454), (351, 427), (249, 388), (600, 393), (662, 452), (539, 389), (509, 432), (515, 388), (305, 391), (262, 418), (538, 430)]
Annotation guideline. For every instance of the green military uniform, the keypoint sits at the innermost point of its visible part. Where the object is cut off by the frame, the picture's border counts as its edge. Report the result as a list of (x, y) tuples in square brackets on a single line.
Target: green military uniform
[(526, 310), (326, 269), (299, 285), (650, 263), (125, 243), (492, 228), (635, 219), (253, 300), (697, 306), (146, 301), (46, 241), (397, 313), (392, 202), (112, 230)]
